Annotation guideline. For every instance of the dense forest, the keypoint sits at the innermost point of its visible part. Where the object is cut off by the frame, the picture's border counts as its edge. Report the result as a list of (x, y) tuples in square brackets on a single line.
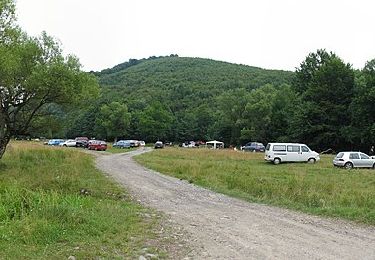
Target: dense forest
[(325, 103)]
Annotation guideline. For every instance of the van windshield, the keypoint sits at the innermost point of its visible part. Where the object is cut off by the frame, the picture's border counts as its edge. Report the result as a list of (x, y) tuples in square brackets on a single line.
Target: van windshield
[(268, 147)]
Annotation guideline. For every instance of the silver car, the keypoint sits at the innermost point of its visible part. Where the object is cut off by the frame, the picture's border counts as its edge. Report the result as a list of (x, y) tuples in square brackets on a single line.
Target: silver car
[(351, 160)]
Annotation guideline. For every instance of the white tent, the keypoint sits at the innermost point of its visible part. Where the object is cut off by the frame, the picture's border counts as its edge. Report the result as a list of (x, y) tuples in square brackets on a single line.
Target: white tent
[(215, 144)]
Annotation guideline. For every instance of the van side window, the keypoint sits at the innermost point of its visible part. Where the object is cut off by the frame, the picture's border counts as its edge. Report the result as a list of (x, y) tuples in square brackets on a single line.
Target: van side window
[(353, 156), (293, 148), (305, 149), (279, 148)]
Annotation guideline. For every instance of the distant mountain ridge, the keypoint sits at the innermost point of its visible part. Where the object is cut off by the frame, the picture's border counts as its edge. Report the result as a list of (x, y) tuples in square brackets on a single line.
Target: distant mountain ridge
[(172, 71)]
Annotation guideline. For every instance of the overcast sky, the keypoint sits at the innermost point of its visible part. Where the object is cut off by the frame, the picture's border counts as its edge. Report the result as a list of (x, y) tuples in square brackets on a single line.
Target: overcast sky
[(270, 34)]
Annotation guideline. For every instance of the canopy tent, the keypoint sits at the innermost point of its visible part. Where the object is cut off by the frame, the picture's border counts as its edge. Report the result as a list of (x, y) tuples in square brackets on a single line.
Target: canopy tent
[(215, 144)]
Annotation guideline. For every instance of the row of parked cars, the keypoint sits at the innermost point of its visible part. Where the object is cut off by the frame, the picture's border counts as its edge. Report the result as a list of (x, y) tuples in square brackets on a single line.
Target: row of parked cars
[(82, 142), (128, 144), (295, 152)]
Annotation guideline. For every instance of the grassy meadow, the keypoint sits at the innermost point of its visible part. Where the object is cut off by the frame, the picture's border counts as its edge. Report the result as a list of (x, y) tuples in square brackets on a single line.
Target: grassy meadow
[(317, 188), (54, 204)]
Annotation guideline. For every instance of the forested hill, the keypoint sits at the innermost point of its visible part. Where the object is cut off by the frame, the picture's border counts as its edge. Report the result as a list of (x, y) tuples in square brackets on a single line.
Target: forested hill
[(195, 77), (177, 99)]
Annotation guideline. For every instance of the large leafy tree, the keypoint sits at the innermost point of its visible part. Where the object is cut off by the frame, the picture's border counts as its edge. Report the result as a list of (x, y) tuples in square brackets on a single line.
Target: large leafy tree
[(325, 84), (155, 122), (34, 73), (113, 120), (257, 114), (362, 130)]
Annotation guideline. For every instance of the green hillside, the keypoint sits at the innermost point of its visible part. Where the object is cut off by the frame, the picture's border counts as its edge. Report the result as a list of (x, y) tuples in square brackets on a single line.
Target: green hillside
[(172, 79), (177, 99)]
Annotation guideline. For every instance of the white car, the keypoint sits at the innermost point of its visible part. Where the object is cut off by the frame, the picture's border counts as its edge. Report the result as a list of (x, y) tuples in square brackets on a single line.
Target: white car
[(69, 143), (351, 160), (290, 152)]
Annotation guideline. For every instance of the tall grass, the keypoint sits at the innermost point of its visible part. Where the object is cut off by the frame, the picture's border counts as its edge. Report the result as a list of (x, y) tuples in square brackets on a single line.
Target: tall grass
[(314, 188), (54, 203)]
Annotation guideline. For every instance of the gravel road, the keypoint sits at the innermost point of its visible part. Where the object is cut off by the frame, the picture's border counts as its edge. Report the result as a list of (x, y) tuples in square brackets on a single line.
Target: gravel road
[(221, 227)]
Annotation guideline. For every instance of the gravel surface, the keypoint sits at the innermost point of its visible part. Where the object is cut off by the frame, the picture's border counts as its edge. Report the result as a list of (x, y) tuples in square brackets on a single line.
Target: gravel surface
[(221, 227)]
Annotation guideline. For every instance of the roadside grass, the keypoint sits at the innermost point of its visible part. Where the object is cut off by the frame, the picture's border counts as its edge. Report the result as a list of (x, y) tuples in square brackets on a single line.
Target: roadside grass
[(54, 204), (318, 188)]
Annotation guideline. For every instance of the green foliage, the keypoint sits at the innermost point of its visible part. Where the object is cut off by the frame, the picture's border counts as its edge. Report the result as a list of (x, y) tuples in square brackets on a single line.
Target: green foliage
[(33, 74), (326, 86), (258, 113), (324, 104), (113, 120), (201, 99), (155, 122), (362, 129)]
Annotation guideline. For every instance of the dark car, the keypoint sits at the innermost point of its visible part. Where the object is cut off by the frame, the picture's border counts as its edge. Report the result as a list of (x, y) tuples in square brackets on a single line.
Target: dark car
[(97, 145), (253, 147), (82, 142), (159, 144)]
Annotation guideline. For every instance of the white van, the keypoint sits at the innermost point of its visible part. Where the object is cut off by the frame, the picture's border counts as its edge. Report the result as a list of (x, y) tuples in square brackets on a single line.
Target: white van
[(290, 152)]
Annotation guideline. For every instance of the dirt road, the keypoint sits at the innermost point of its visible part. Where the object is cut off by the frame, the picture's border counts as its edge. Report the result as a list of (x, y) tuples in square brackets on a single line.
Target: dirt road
[(221, 227)]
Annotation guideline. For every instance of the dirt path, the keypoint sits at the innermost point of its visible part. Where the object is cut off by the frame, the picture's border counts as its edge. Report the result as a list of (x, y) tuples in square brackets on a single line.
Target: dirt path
[(221, 227)]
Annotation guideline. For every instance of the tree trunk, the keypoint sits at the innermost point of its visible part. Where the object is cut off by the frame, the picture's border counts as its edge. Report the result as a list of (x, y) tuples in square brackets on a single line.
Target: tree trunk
[(3, 144), (4, 134)]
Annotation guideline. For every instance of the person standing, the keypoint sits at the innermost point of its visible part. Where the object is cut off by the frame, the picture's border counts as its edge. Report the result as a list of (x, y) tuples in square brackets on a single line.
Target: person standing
[(372, 151)]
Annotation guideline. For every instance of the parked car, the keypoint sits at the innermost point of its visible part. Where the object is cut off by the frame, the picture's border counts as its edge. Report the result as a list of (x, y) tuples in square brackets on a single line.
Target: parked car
[(290, 152), (159, 144), (122, 144), (351, 160), (68, 143), (55, 142), (97, 145), (188, 144), (133, 143), (253, 147), (82, 141), (142, 143)]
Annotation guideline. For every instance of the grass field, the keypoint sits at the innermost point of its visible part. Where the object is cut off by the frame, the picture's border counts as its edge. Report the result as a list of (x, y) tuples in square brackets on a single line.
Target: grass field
[(317, 188), (54, 204)]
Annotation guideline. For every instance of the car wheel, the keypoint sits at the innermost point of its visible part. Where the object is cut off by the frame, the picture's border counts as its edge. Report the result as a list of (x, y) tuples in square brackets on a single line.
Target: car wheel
[(276, 161), (311, 160), (373, 167), (348, 165)]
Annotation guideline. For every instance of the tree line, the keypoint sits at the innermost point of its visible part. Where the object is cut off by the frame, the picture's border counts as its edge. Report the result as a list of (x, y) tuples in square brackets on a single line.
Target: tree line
[(325, 103)]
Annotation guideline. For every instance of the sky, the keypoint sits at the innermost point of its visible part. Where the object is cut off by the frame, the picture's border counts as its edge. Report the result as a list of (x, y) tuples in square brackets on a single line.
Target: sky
[(270, 34)]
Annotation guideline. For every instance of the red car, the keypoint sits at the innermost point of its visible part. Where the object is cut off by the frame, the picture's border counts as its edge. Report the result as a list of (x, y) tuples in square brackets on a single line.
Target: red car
[(97, 145)]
